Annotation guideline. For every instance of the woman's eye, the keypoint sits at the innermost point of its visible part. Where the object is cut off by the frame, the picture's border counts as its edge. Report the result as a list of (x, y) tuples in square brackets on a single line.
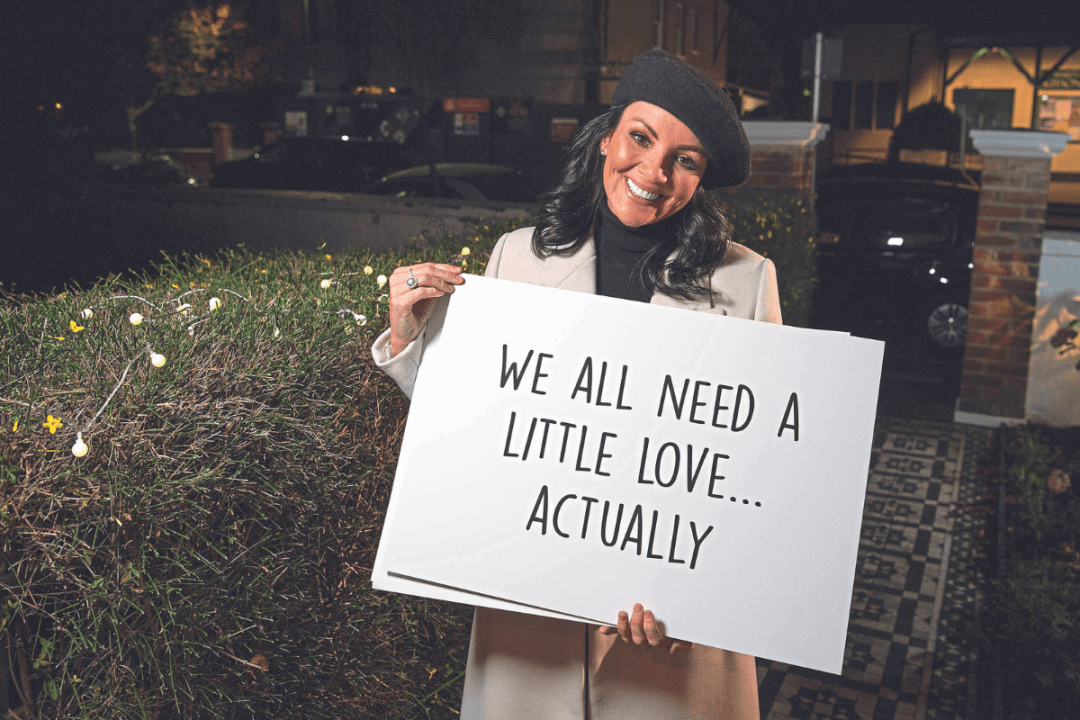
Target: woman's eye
[(639, 138), (688, 162)]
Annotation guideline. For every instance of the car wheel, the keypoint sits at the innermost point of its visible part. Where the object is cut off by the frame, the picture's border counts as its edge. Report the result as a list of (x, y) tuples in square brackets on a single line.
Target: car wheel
[(947, 325)]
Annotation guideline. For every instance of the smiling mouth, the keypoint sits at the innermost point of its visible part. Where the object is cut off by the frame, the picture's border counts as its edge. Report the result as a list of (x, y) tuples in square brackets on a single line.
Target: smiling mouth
[(638, 192)]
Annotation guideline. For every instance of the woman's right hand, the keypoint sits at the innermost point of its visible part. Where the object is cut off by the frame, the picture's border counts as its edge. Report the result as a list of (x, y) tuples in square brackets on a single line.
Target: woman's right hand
[(410, 308)]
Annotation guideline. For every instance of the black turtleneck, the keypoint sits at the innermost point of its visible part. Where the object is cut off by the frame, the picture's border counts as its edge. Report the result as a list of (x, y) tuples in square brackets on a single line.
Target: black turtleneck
[(620, 251)]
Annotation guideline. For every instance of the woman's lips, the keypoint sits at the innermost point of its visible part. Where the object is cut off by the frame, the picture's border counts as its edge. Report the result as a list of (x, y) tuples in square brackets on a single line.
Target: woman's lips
[(637, 191)]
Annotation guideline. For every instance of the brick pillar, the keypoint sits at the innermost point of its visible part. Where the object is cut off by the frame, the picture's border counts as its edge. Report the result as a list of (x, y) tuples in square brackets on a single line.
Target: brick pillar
[(1008, 245), (782, 154)]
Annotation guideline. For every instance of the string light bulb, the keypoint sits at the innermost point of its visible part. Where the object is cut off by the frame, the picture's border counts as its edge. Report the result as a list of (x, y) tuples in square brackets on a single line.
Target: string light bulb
[(87, 313), (215, 303), (135, 318), (79, 449), (157, 359)]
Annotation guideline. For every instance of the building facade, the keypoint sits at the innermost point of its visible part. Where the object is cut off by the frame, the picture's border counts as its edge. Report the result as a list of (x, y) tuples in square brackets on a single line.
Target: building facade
[(550, 51), (997, 81)]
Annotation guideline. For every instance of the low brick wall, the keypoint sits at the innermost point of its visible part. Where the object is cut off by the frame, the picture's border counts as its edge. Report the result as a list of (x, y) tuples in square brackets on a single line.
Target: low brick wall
[(780, 168), (203, 219)]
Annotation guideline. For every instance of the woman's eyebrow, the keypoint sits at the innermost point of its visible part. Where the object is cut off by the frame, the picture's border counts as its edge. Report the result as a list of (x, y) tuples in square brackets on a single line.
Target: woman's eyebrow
[(691, 148)]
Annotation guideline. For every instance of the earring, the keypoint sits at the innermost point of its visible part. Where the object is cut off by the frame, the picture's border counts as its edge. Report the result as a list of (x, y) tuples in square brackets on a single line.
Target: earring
[(603, 151)]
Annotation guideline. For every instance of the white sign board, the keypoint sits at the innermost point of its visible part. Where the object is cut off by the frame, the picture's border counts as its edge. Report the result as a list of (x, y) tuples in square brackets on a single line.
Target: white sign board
[(578, 454)]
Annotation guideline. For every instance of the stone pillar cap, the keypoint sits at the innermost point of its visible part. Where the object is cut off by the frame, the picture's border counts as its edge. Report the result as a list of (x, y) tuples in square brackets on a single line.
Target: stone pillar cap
[(1019, 143), (784, 132)]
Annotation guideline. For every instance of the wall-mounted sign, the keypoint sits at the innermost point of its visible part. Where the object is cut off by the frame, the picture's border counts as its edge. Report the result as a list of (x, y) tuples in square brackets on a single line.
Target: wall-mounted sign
[(466, 105), (467, 124), (1062, 79)]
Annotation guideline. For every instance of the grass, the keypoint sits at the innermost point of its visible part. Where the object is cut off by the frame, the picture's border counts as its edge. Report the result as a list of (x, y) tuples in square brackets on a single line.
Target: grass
[(210, 555)]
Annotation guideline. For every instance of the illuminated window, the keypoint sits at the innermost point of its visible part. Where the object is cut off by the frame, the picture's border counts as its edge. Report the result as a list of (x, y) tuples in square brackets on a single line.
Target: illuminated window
[(987, 109), (885, 106), (872, 105), (864, 106), (1060, 113), (841, 105)]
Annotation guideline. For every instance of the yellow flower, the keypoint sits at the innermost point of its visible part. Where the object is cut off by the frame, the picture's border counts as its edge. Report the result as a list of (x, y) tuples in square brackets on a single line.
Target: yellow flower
[(368, 269), (75, 327), (53, 423), (59, 337), (175, 286), (15, 427), (465, 251), (328, 257)]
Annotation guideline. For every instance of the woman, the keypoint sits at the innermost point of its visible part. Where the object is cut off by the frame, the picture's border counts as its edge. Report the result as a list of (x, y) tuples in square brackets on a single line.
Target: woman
[(630, 219)]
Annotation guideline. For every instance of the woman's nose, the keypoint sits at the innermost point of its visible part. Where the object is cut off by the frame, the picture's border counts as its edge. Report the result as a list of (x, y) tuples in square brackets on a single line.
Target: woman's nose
[(656, 167)]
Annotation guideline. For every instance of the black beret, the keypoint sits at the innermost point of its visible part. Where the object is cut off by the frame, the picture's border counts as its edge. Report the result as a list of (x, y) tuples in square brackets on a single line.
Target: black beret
[(703, 106)]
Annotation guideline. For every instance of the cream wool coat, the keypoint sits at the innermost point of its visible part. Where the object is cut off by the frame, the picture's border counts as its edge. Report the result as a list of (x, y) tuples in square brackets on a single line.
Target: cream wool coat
[(525, 667)]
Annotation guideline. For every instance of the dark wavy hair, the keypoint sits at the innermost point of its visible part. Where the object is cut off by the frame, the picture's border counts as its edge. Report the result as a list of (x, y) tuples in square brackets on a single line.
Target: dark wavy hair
[(567, 215)]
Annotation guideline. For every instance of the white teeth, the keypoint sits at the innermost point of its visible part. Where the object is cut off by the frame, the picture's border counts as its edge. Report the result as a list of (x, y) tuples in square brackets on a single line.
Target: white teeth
[(639, 192)]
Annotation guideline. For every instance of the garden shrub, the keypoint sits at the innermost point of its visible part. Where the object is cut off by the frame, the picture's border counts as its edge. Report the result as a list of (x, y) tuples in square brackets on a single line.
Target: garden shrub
[(1033, 617), (780, 226), (210, 555)]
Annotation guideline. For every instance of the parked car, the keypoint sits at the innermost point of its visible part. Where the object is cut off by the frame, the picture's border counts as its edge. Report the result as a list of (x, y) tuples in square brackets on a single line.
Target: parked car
[(459, 181), (305, 163), (153, 170), (896, 251)]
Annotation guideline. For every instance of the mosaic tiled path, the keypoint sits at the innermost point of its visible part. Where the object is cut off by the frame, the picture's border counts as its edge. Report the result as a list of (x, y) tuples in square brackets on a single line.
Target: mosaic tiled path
[(916, 583)]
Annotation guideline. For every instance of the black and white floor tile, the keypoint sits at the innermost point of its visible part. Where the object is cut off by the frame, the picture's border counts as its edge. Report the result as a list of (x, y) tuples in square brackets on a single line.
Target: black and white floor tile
[(916, 583)]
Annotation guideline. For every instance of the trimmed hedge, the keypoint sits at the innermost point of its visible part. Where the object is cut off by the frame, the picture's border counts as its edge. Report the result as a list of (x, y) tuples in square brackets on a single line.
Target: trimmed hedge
[(781, 227), (210, 555)]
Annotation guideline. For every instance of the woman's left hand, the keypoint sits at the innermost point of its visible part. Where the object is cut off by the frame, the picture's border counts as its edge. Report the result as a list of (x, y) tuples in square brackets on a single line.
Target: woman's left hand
[(641, 629)]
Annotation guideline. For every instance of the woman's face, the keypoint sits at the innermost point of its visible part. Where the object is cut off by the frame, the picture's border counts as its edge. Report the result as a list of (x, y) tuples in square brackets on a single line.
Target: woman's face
[(653, 166)]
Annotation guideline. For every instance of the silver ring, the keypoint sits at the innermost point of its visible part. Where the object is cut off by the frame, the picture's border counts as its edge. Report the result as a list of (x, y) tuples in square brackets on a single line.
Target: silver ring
[(411, 281)]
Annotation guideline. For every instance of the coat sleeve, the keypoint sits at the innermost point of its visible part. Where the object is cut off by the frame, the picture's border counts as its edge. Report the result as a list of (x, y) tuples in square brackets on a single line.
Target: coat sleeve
[(767, 307), (404, 366)]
